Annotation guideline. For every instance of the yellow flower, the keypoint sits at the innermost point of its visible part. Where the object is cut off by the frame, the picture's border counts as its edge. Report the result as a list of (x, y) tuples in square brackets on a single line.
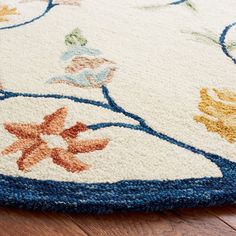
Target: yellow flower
[(219, 114), (6, 11)]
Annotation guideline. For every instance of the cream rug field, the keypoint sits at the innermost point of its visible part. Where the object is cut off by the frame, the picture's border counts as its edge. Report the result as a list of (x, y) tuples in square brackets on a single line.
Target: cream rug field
[(113, 105)]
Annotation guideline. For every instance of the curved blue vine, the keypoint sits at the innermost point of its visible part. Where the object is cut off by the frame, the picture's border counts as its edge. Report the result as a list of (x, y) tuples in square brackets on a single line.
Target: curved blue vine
[(225, 165), (171, 3), (222, 41), (177, 2), (48, 8)]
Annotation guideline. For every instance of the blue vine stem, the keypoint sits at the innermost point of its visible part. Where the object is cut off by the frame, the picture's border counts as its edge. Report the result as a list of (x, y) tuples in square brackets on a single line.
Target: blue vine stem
[(222, 41), (177, 2), (225, 165), (171, 3), (50, 5)]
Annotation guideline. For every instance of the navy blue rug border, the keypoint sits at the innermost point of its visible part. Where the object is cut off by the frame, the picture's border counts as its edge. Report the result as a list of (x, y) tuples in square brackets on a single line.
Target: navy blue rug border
[(123, 196)]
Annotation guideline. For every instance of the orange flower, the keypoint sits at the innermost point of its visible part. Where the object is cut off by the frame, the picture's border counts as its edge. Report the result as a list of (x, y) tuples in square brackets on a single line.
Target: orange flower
[(31, 142)]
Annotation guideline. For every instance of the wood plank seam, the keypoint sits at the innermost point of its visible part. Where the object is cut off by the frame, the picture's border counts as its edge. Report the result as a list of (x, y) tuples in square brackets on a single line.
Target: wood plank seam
[(81, 227), (214, 214)]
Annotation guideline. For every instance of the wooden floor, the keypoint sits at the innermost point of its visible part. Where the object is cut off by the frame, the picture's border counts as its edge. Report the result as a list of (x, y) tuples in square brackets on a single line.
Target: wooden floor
[(203, 222)]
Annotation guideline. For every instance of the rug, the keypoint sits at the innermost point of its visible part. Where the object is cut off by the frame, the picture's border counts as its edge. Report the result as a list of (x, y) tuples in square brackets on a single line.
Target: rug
[(113, 105)]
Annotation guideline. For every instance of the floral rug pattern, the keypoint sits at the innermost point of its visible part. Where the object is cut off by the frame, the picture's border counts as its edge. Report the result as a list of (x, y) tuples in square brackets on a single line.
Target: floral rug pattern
[(95, 105)]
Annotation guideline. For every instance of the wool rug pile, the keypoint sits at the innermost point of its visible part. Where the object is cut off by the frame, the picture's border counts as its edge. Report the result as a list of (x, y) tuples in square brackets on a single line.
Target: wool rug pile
[(114, 105)]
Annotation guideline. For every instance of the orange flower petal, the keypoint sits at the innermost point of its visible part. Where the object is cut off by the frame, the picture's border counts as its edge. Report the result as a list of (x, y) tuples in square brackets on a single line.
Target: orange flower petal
[(53, 124), (67, 160), (25, 131), (33, 155), (73, 131), (83, 146), (19, 145)]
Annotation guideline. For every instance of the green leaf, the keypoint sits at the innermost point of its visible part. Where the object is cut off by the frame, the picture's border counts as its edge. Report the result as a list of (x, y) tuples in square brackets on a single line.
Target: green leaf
[(75, 37)]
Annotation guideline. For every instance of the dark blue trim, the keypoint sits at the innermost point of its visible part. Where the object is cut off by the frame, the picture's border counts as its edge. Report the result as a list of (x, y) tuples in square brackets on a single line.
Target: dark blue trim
[(133, 195), (222, 41), (48, 8)]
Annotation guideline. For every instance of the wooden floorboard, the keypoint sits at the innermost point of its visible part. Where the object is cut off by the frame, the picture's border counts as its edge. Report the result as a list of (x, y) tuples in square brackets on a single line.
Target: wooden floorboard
[(21, 223), (226, 214), (181, 222), (218, 221)]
